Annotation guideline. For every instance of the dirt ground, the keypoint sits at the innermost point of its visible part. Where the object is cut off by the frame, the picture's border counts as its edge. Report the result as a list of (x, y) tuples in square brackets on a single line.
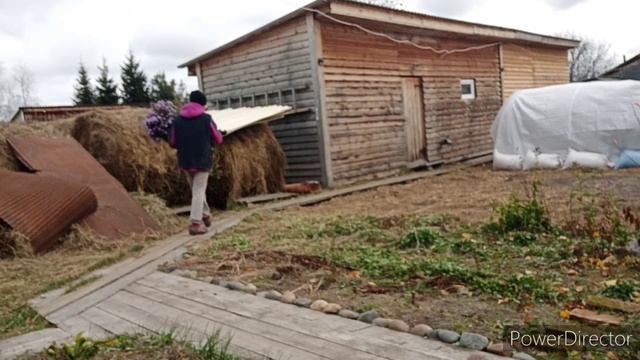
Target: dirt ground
[(345, 250), (468, 194)]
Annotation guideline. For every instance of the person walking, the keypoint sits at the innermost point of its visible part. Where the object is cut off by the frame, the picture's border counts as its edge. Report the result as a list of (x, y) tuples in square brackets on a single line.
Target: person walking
[(193, 135)]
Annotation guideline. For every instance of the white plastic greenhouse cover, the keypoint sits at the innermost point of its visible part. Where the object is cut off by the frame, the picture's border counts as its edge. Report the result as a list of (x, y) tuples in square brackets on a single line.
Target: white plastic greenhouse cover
[(231, 120), (600, 116)]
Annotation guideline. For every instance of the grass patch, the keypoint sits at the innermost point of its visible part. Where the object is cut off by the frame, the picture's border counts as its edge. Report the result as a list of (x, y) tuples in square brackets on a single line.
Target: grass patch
[(624, 291), (420, 238), (23, 319), (162, 346)]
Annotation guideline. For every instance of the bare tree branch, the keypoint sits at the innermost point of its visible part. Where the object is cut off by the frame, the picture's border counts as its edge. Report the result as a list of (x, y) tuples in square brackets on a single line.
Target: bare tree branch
[(590, 59)]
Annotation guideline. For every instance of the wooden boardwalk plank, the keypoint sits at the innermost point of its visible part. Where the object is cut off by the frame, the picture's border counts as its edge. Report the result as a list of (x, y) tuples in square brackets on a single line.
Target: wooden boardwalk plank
[(75, 302), (265, 198), (112, 323), (30, 343), (259, 328), (250, 306), (159, 318), (330, 328), (77, 324)]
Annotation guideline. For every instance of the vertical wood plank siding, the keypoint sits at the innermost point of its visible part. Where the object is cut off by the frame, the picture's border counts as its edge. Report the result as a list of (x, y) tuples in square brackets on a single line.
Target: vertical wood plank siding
[(529, 67), (277, 60), (363, 76)]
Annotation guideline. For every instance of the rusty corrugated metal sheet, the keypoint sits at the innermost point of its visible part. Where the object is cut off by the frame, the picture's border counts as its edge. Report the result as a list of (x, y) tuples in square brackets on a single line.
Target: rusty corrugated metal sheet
[(118, 215), (43, 207)]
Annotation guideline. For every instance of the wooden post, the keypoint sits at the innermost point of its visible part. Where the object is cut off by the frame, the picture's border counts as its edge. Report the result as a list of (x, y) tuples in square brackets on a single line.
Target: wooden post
[(501, 72), (199, 76), (317, 74)]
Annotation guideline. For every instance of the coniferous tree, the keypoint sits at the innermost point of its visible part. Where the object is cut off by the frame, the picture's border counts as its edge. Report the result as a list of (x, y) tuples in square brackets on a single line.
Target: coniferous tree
[(106, 90), (83, 94), (162, 89), (134, 82)]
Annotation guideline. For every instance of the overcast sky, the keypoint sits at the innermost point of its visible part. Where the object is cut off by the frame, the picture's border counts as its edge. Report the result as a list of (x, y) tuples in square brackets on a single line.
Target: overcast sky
[(52, 36)]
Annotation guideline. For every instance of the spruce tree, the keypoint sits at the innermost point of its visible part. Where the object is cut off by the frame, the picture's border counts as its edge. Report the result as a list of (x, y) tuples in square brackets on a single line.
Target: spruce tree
[(106, 90), (161, 89), (83, 94), (134, 82)]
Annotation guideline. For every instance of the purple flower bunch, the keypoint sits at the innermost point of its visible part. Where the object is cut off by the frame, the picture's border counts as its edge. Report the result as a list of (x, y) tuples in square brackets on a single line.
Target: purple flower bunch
[(159, 121)]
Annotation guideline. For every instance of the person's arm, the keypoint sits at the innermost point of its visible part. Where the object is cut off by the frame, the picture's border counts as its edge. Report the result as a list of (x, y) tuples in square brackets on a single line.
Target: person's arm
[(216, 136)]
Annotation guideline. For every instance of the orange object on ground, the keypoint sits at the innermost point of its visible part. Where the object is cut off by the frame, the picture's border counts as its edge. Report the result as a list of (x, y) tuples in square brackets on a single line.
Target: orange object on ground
[(118, 215), (306, 187), (43, 207)]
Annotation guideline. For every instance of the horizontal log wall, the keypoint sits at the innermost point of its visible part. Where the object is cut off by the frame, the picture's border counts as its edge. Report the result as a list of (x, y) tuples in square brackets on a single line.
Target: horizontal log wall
[(277, 60), (528, 67), (363, 75)]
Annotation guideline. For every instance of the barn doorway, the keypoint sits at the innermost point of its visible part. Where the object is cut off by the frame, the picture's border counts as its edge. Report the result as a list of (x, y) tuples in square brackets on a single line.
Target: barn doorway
[(413, 107)]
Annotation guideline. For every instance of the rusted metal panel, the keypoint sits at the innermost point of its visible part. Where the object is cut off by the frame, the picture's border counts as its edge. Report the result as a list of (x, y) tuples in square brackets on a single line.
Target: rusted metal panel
[(118, 215), (43, 207)]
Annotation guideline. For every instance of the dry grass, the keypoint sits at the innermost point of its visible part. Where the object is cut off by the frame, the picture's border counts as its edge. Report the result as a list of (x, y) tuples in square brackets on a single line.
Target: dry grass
[(25, 276)]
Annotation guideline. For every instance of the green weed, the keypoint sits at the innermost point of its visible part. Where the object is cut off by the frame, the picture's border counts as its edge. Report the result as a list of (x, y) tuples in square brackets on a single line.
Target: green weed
[(22, 318), (528, 215), (422, 237), (81, 349), (623, 291)]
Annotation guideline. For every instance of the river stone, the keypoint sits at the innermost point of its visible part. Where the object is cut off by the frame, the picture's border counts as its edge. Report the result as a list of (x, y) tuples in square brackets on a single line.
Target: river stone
[(219, 282), (319, 305), (303, 302), (250, 289), (422, 330), (235, 285), (398, 325), (447, 336), (473, 341), (332, 308), (523, 356), (368, 316), (382, 322), (288, 297), (348, 314), (273, 295), (502, 349), (634, 247)]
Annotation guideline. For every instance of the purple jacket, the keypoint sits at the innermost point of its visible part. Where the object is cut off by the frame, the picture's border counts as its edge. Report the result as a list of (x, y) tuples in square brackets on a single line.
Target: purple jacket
[(192, 111)]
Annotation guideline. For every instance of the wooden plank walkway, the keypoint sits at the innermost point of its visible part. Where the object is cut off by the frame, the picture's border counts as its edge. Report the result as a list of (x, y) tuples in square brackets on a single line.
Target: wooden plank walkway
[(133, 297), (256, 327)]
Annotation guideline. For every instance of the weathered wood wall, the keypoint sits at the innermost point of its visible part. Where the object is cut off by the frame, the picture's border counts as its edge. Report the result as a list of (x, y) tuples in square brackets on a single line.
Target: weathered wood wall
[(266, 70), (528, 66), (363, 76)]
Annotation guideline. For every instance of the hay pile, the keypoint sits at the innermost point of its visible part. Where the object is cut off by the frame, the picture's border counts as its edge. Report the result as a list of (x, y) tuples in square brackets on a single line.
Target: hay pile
[(117, 141), (251, 161)]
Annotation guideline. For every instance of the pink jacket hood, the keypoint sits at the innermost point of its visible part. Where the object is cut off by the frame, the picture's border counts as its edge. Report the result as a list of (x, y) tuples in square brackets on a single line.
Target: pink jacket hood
[(192, 110)]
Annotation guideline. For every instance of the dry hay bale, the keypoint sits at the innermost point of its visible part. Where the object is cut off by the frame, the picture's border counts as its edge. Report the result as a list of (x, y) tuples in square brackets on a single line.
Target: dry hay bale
[(116, 139), (250, 162), (57, 128)]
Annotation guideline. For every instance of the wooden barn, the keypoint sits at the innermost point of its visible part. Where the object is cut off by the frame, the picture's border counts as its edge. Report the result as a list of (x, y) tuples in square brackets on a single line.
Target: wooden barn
[(376, 90)]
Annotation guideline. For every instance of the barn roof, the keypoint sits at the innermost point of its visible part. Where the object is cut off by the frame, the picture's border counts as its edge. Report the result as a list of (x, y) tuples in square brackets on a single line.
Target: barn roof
[(629, 69), (359, 10)]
